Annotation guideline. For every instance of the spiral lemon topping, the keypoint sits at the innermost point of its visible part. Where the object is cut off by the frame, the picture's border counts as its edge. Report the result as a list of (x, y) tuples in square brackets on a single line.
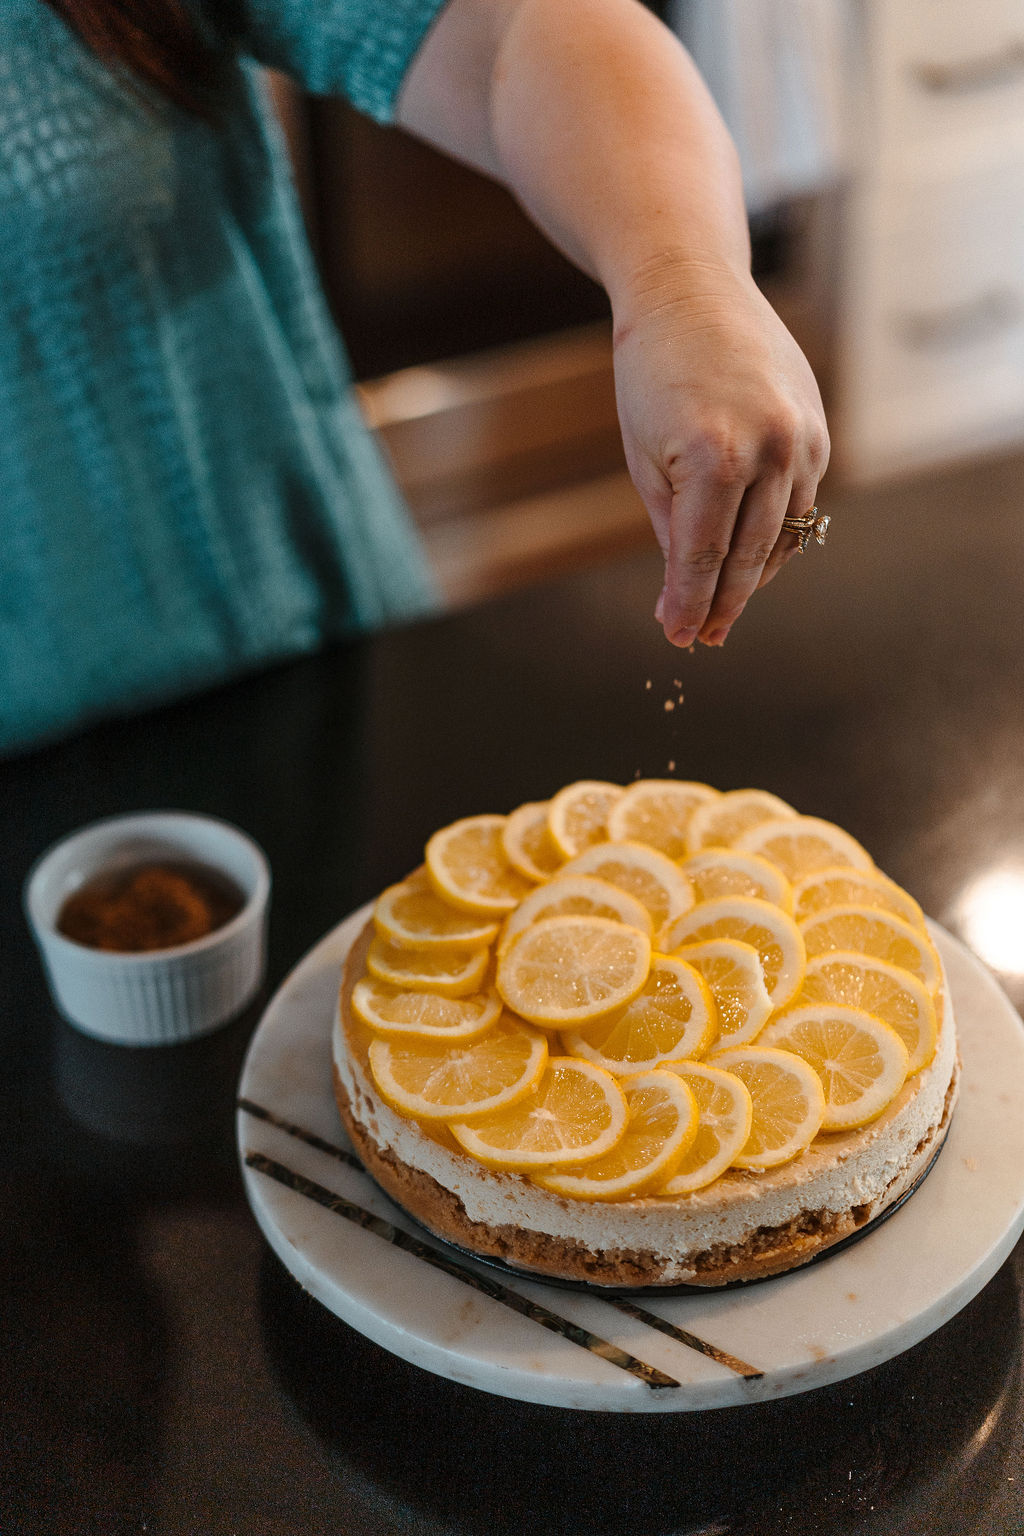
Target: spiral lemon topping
[(615, 992)]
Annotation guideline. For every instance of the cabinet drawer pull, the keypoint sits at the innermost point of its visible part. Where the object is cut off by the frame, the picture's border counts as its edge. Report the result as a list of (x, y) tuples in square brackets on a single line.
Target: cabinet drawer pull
[(960, 324), (977, 74)]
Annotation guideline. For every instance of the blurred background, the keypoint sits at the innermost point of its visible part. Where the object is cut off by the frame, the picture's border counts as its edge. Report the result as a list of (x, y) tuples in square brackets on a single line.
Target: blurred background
[(882, 144)]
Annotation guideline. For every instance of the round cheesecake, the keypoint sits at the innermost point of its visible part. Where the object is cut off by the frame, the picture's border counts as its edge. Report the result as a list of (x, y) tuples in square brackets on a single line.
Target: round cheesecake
[(743, 1226)]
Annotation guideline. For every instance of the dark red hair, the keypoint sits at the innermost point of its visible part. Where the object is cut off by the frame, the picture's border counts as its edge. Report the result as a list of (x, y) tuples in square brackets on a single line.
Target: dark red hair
[(156, 41)]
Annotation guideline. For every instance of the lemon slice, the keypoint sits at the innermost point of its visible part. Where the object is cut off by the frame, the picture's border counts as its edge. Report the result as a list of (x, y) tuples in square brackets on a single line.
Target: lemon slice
[(526, 841), (770, 931), (439, 1080), (467, 867), (578, 815), (406, 1012), (412, 914), (719, 822), (657, 812), (788, 1103), (724, 1117), (652, 877), (672, 1016), (873, 931), (579, 895), (802, 845), (574, 1113), (861, 1062), (662, 1124), (843, 886), (450, 972), (564, 971), (891, 994), (727, 872), (734, 973)]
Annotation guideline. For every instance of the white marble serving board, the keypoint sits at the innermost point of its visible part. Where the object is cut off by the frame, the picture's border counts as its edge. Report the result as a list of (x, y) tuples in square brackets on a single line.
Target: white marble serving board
[(468, 1322)]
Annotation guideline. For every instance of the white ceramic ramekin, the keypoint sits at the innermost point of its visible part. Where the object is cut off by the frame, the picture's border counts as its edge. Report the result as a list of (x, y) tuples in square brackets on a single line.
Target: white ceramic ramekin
[(159, 996)]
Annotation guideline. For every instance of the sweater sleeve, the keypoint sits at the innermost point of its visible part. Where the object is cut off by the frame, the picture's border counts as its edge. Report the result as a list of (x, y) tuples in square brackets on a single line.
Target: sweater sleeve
[(359, 49)]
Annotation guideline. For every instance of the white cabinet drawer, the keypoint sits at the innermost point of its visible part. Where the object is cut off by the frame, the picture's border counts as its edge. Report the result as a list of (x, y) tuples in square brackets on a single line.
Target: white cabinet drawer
[(930, 360), (943, 244), (907, 399), (942, 68)]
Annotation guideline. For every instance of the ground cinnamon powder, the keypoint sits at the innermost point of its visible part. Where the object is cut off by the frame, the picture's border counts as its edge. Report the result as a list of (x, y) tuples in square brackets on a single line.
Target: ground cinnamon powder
[(150, 906)]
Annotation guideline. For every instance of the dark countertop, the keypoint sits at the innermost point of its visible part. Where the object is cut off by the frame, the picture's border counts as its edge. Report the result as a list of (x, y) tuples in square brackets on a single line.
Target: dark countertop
[(162, 1373)]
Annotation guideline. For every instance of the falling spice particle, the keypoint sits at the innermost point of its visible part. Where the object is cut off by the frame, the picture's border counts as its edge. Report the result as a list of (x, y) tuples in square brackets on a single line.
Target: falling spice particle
[(647, 685), (672, 766), (669, 706)]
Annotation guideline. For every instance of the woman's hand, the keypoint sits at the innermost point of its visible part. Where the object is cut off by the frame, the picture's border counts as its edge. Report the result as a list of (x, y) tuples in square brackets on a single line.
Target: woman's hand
[(724, 433)]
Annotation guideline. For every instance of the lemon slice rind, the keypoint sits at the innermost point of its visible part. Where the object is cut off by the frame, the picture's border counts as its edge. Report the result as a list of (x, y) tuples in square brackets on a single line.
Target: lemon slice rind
[(562, 971), (842, 885), (449, 972), (861, 1061), (891, 993), (578, 814), (801, 845), (526, 841), (410, 913), (717, 872), (414, 1013), (656, 812), (722, 821), (430, 1080), (672, 1017), (876, 932), (662, 1124), (536, 1131), (770, 930), (724, 1116), (788, 1103), (580, 895), (467, 867), (735, 976), (643, 872)]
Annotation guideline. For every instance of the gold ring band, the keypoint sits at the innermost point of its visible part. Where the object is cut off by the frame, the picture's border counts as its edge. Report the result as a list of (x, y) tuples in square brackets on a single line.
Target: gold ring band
[(811, 522)]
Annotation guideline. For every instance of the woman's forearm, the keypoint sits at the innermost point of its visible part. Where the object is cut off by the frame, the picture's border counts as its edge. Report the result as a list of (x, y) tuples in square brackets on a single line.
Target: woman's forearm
[(593, 114), (610, 139)]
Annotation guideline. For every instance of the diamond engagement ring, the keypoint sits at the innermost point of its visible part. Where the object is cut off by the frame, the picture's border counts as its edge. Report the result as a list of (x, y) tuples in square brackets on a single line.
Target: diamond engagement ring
[(811, 522)]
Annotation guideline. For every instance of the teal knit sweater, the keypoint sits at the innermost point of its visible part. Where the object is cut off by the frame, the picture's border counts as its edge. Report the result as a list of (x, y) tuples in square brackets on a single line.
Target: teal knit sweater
[(187, 491)]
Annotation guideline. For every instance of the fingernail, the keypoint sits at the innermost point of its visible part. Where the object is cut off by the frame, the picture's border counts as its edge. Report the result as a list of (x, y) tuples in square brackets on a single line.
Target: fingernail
[(684, 637), (716, 637), (659, 607)]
